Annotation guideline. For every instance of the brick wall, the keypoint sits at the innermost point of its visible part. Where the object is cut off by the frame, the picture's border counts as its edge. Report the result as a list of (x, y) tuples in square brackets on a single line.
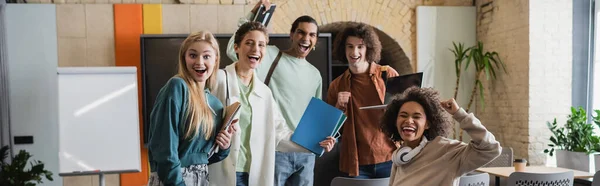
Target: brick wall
[(533, 39), (503, 26), (394, 17)]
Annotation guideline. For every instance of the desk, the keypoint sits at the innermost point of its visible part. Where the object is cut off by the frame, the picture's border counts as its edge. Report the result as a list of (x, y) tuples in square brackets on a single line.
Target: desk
[(506, 171)]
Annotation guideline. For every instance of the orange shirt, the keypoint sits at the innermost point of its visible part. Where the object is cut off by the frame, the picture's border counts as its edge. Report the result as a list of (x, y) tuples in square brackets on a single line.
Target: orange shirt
[(362, 141)]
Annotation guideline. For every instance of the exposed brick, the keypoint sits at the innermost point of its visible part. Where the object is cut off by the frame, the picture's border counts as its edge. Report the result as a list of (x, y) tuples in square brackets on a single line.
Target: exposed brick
[(404, 10)]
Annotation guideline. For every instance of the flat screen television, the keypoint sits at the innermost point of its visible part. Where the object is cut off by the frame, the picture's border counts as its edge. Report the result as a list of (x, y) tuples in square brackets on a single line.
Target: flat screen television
[(159, 62)]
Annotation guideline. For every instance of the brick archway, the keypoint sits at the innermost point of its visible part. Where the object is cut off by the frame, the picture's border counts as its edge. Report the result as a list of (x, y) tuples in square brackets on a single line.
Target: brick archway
[(396, 19), (391, 53)]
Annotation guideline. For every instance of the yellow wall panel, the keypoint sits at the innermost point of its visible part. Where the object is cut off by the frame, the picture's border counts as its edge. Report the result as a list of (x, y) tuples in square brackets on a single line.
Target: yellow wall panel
[(152, 18)]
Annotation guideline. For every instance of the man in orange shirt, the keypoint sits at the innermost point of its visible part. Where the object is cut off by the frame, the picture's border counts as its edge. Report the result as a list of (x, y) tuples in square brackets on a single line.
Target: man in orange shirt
[(366, 152)]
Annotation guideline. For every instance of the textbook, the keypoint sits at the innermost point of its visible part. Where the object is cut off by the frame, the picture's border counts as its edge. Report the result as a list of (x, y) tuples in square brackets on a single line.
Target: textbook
[(263, 16), (397, 85), (319, 121), (230, 112)]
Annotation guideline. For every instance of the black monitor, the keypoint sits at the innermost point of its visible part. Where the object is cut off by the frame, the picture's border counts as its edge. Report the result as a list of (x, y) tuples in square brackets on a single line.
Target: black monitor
[(159, 62)]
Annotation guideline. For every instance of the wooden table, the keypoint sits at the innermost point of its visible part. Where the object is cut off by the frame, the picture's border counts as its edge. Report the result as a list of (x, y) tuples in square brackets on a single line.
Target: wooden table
[(504, 172)]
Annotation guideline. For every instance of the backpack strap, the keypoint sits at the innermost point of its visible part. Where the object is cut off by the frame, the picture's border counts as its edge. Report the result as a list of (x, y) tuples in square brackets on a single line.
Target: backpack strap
[(226, 87), (268, 78)]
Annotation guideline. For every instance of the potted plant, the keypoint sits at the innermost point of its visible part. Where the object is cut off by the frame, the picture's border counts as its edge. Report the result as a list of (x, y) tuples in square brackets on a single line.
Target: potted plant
[(14, 173), (485, 63), (596, 120), (574, 143), (460, 55)]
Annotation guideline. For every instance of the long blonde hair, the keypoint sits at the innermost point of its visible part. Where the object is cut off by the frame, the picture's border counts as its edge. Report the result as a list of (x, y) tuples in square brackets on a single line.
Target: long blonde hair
[(199, 114)]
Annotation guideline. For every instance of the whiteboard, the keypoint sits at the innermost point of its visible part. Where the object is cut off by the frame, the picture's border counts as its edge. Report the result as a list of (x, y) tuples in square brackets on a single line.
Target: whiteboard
[(98, 120)]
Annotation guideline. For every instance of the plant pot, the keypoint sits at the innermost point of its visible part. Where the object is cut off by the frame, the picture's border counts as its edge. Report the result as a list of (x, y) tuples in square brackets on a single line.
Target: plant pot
[(597, 160), (576, 160)]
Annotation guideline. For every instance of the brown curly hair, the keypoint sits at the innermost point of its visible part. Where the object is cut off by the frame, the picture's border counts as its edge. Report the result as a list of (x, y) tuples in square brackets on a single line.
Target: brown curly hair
[(247, 27), (364, 32), (439, 120)]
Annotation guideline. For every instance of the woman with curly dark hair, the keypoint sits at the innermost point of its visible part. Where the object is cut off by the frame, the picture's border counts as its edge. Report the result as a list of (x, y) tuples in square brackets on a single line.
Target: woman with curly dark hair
[(420, 121), (365, 151)]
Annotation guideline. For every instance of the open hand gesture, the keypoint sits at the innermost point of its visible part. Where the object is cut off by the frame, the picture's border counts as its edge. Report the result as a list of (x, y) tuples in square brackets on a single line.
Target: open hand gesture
[(224, 137)]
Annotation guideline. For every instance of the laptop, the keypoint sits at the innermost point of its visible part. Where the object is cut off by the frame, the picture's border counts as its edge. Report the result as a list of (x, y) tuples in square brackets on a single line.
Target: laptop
[(397, 85)]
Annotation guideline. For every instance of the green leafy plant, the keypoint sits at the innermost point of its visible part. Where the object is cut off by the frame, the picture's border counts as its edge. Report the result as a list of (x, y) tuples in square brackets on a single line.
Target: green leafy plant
[(485, 63), (576, 135), (14, 173), (460, 55), (596, 120)]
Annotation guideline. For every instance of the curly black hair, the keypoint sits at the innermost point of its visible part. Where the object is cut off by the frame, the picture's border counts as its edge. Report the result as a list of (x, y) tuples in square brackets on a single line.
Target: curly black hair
[(439, 120), (247, 27), (363, 31), (304, 19)]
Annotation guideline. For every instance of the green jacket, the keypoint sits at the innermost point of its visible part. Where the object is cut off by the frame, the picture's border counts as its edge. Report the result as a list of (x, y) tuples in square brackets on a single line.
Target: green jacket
[(168, 150)]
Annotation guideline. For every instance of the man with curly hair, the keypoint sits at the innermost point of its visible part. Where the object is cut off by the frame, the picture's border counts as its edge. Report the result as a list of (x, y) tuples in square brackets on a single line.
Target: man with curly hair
[(365, 150), (420, 121)]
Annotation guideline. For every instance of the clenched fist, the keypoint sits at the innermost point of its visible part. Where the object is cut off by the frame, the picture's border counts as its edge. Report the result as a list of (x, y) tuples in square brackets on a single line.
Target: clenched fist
[(450, 106), (342, 101)]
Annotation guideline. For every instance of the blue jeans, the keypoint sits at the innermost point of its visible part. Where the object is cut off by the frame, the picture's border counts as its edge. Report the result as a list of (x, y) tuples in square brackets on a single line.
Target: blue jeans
[(294, 168), (380, 170), (241, 179)]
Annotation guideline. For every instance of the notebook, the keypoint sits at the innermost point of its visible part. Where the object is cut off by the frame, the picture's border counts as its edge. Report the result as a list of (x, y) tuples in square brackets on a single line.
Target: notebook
[(263, 16), (319, 121), (230, 112), (397, 85)]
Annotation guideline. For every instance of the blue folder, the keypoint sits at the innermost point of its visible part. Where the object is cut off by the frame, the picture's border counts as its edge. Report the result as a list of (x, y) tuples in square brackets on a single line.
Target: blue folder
[(319, 121)]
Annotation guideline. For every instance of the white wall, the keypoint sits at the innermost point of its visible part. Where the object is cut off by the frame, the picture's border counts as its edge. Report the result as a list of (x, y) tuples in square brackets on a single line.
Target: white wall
[(32, 63), (437, 28), (550, 72)]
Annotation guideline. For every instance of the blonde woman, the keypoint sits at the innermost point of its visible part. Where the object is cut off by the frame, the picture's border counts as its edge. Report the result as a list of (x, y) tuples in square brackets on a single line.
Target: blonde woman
[(185, 118)]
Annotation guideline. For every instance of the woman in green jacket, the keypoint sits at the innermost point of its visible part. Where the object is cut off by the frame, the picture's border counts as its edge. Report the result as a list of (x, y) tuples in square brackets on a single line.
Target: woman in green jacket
[(185, 119)]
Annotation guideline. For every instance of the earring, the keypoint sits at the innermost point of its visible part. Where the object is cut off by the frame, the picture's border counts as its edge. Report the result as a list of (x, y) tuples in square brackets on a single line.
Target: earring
[(314, 47)]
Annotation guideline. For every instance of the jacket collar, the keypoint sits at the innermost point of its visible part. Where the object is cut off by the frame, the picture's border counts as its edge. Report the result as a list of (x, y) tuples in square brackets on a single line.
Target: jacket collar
[(374, 69), (259, 89)]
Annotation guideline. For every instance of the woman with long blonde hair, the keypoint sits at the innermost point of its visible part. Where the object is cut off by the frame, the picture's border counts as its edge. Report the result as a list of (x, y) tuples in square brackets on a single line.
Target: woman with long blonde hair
[(185, 118)]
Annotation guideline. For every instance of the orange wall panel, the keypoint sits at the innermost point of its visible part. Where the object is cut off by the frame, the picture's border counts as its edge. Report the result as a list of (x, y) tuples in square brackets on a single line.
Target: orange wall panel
[(128, 28)]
